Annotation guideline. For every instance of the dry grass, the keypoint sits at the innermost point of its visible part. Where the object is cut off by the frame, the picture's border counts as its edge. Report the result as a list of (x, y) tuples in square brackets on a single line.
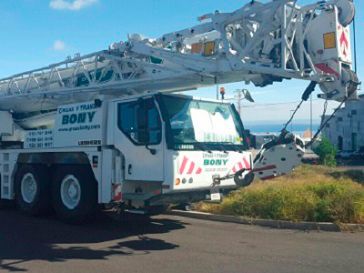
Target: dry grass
[(317, 194)]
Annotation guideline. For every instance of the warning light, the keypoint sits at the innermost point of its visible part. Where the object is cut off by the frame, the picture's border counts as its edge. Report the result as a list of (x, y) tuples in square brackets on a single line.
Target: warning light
[(330, 40), (209, 48)]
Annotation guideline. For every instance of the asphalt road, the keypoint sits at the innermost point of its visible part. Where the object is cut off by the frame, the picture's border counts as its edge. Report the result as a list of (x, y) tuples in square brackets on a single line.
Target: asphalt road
[(172, 245)]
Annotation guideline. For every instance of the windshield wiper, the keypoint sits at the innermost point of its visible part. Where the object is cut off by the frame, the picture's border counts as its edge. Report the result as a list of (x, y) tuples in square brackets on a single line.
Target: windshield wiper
[(233, 146), (222, 147), (203, 147), (219, 145)]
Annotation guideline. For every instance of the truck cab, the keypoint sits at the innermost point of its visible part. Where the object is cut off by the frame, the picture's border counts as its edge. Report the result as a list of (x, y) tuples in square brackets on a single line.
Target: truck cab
[(172, 147)]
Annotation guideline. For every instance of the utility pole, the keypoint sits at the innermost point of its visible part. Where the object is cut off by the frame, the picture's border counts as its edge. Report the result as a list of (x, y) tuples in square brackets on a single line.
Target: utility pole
[(239, 98), (217, 89), (311, 127), (240, 95)]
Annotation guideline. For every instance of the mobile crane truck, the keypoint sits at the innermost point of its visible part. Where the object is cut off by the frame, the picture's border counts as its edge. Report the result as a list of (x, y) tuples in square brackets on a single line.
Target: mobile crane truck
[(108, 128)]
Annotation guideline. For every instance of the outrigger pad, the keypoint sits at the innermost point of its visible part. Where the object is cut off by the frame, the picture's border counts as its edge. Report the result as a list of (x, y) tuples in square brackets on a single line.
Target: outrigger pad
[(279, 157)]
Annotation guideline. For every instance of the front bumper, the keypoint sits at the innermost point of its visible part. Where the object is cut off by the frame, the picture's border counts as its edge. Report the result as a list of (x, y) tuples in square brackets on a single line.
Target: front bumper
[(185, 197)]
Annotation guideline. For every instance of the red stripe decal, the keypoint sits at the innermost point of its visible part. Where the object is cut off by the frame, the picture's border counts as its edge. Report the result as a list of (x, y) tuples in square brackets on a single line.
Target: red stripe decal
[(247, 164), (199, 171), (240, 165), (327, 69), (234, 170), (265, 168), (192, 166), (183, 165)]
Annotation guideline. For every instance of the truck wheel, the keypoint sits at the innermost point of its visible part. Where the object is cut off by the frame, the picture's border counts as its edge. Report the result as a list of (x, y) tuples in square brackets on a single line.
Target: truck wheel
[(32, 194), (74, 194)]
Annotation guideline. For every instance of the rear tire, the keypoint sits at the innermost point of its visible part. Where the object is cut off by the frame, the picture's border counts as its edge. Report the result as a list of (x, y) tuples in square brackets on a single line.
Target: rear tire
[(32, 189), (74, 194)]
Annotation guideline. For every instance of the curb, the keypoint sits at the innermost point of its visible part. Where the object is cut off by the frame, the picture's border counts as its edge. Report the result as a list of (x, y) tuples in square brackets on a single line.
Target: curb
[(279, 224)]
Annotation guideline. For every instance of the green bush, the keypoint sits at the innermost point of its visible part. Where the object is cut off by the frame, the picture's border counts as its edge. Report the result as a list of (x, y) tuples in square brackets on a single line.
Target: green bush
[(309, 194), (326, 152)]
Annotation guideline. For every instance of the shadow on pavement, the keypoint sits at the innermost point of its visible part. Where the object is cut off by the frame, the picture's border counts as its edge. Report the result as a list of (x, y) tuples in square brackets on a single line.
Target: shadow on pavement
[(25, 239)]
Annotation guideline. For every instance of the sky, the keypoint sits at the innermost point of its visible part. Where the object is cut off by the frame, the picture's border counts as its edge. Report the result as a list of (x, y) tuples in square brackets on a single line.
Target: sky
[(35, 33)]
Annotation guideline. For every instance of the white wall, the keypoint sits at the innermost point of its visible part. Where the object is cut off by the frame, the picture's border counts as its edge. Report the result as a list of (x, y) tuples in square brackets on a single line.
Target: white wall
[(347, 121)]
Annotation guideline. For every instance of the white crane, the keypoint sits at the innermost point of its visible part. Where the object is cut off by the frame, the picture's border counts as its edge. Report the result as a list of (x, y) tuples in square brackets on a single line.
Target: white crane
[(117, 139)]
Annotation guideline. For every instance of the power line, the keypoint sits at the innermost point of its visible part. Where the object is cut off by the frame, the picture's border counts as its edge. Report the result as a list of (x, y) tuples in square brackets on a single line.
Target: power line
[(274, 104)]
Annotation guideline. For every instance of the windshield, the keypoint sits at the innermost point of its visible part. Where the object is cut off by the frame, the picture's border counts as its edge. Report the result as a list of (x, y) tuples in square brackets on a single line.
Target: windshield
[(201, 122)]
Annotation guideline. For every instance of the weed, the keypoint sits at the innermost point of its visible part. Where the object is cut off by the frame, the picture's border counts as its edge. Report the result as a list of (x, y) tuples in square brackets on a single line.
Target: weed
[(310, 193)]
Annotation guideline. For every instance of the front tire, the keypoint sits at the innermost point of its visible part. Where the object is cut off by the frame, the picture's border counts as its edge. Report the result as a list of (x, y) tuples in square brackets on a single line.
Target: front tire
[(74, 194), (32, 189)]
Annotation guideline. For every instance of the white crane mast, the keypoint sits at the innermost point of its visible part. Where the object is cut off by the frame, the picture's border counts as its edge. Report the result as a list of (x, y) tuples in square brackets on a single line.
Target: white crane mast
[(260, 43)]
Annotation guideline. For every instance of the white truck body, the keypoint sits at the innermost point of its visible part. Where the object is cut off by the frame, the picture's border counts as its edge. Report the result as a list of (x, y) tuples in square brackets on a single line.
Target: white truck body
[(128, 170)]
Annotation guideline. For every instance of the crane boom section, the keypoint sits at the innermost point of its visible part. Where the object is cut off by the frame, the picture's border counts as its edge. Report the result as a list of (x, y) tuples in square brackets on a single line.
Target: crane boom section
[(260, 43)]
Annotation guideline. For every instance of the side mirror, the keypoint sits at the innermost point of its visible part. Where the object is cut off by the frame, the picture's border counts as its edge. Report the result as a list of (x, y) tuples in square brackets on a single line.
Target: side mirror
[(98, 103), (152, 151), (247, 95)]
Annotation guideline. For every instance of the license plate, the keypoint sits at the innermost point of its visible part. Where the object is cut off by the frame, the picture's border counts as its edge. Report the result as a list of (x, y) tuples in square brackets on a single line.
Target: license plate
[(215, 196)]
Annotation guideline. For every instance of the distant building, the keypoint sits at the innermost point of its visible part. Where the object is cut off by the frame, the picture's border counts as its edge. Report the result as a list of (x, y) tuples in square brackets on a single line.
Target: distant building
[(346, 129), (307, 134)]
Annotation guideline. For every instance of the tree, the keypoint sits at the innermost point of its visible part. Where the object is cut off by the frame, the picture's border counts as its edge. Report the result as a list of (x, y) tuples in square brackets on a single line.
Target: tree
[(327, 152)]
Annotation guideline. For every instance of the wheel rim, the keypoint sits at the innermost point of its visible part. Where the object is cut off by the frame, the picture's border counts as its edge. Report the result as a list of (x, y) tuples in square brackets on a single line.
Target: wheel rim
[(70, 192), (29, 188)]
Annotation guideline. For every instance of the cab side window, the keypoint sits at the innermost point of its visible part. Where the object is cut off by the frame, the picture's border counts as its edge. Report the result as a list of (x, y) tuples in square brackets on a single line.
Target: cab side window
[(140, 122)]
